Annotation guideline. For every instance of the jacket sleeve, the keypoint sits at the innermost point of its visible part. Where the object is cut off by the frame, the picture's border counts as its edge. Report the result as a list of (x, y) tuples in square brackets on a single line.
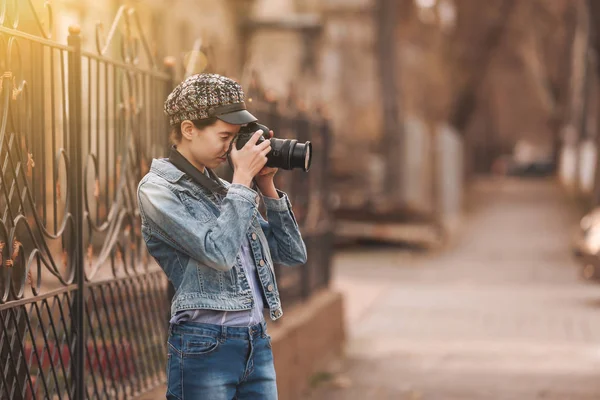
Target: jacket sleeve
[(215, 243), (282, 232)]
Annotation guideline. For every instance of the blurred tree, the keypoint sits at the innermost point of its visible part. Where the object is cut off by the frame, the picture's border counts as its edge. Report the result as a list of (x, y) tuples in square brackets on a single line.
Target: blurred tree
[(511, 68), (549, 61), (477, 35), (594, 21), (386, 16)]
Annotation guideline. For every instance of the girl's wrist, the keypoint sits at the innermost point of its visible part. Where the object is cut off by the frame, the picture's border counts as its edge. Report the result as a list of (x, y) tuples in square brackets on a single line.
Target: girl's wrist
[(242, 179), (268, 189)]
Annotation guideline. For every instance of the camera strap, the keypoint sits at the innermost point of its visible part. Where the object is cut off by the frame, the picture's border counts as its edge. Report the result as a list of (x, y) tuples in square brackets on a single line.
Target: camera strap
[(211, 183)]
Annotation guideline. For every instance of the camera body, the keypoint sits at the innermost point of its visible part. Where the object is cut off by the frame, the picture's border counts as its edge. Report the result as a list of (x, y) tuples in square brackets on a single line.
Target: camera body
[(246, 132), (285, 153)]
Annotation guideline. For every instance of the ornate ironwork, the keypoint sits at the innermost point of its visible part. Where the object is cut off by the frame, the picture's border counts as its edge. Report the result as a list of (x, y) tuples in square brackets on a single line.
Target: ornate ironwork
[(128, 17), (10, 13), (82, 307)]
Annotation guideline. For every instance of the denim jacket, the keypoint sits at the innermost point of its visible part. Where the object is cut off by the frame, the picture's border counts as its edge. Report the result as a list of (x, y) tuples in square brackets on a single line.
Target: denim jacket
[(198, 243)]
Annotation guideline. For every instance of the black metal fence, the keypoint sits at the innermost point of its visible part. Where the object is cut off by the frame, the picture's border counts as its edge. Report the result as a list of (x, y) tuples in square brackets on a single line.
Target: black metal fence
[(309, 192), (83, 307)]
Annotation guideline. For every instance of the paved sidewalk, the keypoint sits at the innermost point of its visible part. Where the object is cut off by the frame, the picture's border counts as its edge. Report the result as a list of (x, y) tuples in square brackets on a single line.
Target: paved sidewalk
[(503, 315)]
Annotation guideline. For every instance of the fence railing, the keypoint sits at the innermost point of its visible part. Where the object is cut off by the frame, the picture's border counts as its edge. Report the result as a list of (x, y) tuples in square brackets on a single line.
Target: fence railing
[(309, 192), (83, 307)]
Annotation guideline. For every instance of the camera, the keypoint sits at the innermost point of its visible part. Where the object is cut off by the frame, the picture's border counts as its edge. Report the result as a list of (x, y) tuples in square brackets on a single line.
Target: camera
[(285, 153)]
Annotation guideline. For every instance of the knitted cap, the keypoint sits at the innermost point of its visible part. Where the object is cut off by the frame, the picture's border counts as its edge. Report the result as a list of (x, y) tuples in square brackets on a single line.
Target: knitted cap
[(207, 95)]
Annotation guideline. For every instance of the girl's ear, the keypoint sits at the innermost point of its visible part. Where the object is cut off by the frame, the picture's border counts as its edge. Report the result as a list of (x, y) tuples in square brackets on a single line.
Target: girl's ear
[(187, 129)]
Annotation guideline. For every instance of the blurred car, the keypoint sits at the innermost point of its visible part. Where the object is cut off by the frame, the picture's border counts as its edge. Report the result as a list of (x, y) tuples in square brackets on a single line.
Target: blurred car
[(537, 168), (586, 245), (508, 166)]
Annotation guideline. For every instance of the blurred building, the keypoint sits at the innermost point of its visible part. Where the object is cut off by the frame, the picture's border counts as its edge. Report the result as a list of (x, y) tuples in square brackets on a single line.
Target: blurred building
[(462, 83)]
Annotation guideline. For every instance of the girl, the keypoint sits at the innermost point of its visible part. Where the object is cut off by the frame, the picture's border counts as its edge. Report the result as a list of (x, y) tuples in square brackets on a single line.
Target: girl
[(214, 246)]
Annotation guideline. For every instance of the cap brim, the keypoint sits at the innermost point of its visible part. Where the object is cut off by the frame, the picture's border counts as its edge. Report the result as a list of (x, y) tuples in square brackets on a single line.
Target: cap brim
[(240, 117)]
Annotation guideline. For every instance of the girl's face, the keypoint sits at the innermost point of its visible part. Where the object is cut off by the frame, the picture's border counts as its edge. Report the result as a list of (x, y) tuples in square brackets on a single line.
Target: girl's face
[(207, 147)]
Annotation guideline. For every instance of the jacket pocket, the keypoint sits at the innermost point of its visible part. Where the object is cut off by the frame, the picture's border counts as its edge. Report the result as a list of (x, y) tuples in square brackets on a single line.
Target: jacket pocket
[(211, 280), (196, 205), (218, 283)]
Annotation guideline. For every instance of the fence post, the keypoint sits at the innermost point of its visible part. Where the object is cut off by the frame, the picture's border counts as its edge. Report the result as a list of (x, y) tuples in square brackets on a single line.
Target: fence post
[(273, 119), (169, 64), (325, 132), (76, 203), (301, 191)]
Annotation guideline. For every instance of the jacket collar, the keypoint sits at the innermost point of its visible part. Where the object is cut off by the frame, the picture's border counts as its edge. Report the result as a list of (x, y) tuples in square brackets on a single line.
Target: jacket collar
[(164, 168), (207, 179)]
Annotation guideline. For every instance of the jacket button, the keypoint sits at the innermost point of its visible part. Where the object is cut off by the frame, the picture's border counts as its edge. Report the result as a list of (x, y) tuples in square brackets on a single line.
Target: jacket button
[(254, 236), (270, 288), (277, 313), (262, 263)]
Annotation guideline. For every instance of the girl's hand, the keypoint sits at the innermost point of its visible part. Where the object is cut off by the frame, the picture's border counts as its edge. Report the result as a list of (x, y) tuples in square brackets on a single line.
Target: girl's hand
[(249, 160)]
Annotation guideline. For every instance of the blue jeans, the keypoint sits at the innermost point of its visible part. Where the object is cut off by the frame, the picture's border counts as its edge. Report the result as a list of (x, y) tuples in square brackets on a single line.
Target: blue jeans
[(215, 362)]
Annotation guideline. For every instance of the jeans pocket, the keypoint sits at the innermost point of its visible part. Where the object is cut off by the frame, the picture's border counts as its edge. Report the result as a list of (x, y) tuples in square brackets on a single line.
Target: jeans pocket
[(196, 345)]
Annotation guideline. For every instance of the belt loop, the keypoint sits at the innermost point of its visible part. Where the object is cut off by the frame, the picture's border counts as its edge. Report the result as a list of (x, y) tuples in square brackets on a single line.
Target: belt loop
[(223, 333)]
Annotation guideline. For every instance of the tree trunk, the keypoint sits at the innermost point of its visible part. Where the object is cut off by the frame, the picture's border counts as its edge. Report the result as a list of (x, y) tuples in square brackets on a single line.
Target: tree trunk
[(386, 12), (462, 109)]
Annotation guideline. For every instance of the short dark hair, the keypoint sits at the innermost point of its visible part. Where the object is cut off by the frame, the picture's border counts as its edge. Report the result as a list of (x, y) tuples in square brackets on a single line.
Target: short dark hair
[(176, 135)]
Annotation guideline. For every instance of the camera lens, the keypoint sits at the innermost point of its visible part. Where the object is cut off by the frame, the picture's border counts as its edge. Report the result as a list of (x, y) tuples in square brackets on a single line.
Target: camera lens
[(301, 156), (289, 154)]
